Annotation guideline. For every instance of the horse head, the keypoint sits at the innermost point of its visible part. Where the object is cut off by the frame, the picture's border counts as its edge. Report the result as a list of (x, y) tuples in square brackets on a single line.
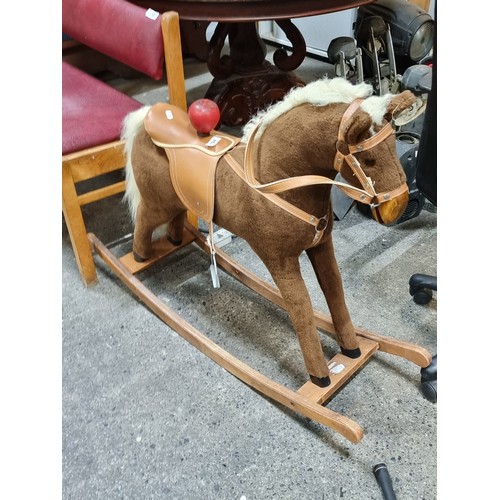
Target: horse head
[(367, 158)]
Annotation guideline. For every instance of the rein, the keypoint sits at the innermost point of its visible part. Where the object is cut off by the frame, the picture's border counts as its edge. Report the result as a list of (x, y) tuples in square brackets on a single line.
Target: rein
[(368, 195)]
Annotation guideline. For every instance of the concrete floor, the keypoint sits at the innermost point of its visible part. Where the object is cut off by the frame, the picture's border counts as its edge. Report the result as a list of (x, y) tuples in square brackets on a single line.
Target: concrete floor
[(147, 416)]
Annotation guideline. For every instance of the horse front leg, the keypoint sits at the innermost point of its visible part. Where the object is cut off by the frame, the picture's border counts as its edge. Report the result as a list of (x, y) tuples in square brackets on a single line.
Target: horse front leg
[(325, 266), (289, 281)]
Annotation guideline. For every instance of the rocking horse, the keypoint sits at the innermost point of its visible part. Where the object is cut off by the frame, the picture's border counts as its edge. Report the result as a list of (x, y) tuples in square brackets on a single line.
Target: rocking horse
[(271, 188)]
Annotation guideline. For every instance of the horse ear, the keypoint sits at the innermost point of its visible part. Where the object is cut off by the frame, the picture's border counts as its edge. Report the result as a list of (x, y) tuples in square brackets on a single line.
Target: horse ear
[(359, 124), (399, 103)]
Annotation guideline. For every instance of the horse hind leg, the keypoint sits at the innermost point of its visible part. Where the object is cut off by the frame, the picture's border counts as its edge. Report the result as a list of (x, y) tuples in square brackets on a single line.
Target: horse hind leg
[(325, 266), (145, 224), (176, 229), (151, 197), (147, 220)]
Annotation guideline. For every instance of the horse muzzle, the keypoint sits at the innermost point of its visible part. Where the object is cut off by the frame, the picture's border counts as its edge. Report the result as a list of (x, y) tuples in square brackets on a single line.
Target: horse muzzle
[(390, 211)]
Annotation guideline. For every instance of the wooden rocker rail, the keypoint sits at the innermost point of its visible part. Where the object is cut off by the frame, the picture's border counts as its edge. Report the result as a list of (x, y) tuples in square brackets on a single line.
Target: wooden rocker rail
[(308, 400)]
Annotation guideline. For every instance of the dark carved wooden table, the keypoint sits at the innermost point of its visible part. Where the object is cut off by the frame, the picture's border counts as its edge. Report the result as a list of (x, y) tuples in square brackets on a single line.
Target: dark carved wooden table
[(244, 81)]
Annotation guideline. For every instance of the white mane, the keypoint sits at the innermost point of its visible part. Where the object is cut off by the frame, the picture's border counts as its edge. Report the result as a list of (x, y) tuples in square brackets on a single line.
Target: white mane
[(321, 93)]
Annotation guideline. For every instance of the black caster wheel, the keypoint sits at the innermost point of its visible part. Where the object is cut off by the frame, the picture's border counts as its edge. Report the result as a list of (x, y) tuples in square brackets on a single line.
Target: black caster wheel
[(422, 297), (428, 380), (429, 390)]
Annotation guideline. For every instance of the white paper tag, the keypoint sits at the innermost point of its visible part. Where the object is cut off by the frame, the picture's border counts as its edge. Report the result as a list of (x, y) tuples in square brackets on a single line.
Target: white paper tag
[(152, 14), (169, 114), (214, 141), (336, 368)]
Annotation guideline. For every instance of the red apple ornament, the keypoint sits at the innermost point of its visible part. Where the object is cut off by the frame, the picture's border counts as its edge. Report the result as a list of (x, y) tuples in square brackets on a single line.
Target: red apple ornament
[(204, 115)]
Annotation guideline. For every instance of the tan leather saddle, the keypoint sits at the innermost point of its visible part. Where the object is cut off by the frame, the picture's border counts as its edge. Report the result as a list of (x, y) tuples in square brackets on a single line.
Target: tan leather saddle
[(193, 158)]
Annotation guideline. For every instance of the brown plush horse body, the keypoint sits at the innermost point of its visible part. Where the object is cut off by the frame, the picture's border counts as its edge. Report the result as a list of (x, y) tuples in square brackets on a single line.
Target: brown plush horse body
[(296, 138)]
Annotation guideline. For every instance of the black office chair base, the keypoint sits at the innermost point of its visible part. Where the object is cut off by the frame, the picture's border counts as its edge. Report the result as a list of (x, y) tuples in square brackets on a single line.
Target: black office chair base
[(421, 287)]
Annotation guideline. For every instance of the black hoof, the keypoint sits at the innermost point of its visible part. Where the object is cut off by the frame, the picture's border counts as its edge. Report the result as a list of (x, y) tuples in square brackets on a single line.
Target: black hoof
[(138, 258), (320, 382), (174, 242), (351, 353)]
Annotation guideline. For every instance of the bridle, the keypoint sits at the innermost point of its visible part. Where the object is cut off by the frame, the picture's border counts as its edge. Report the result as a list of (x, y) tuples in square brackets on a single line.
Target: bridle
[(367, 195)]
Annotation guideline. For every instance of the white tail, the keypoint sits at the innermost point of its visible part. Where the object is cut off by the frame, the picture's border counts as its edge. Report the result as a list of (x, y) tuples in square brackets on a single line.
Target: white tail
[(131, 126)]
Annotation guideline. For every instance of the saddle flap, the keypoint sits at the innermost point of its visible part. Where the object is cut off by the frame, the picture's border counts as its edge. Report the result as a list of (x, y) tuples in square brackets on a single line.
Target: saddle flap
[(193, 178), (192, 158)]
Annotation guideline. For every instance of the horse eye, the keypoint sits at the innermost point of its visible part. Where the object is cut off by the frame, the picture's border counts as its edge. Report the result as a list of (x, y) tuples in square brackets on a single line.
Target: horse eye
[(370, 162)]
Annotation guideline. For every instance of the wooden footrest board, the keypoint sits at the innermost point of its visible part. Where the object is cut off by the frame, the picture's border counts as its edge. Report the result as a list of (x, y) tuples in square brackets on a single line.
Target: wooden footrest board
[(342, 369), (161, 248)]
